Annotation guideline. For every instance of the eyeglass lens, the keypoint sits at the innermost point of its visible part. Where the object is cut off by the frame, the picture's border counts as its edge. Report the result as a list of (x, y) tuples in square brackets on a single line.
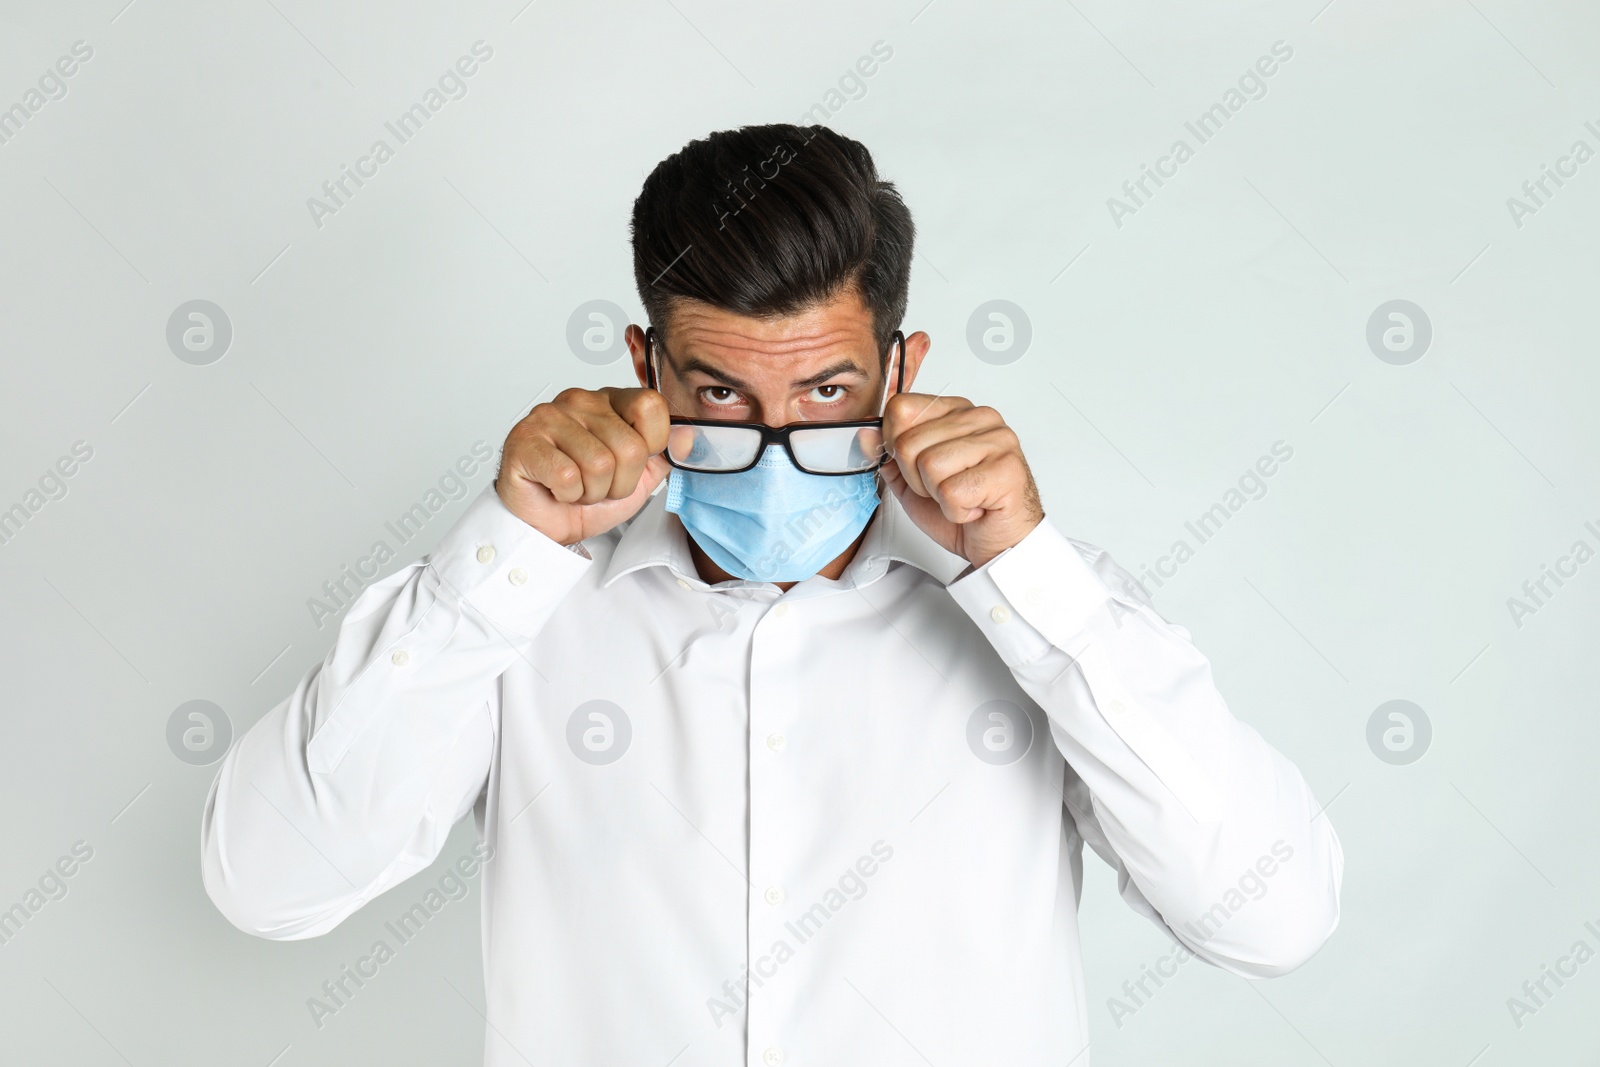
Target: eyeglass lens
[(818, 450)]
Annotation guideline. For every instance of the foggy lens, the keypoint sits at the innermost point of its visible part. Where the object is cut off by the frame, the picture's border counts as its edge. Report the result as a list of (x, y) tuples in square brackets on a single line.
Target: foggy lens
[(837, 449), (713, 448)]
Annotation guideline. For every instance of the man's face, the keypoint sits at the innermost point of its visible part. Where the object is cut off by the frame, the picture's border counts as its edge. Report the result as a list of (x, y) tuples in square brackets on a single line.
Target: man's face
[(818, 365)]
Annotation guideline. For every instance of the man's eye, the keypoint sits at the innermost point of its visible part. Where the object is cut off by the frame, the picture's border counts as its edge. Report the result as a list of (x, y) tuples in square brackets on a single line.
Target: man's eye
[(827, 394), (719, 394)]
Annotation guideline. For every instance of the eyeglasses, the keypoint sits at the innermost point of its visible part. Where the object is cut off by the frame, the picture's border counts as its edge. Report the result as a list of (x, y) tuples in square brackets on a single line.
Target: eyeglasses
[(720, 446)]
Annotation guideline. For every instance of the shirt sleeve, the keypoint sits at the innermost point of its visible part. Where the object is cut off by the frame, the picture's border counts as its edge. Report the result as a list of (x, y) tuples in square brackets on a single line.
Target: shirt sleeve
[(1213, 832), (351, 784)]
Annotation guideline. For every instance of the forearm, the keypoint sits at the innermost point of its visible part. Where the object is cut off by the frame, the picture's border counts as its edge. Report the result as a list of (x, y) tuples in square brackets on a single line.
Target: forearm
[(1214, 828), (352, 783)]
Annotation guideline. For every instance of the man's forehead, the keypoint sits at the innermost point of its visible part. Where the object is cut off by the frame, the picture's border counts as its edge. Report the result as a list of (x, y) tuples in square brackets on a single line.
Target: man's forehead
[(837, 328)]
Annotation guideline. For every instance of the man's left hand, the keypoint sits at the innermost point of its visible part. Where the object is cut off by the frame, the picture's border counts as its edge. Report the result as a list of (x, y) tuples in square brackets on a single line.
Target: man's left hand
[(958, 472)]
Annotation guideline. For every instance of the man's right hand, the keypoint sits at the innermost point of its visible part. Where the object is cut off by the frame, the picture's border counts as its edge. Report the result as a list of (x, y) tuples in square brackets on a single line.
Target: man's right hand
[(585, 461)]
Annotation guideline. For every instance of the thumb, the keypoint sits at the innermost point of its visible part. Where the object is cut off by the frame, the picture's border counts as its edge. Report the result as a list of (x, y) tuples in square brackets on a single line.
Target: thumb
[(656, 468), (596, 518), (923, 510)]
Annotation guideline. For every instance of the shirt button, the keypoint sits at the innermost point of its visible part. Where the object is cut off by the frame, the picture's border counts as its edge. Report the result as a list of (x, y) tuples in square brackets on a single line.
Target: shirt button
[(780, 611), (774, 897), (486, 554), (517, 576), (776, 742), (1000, 613), (682, 584), (400, 658), (772, 1057)]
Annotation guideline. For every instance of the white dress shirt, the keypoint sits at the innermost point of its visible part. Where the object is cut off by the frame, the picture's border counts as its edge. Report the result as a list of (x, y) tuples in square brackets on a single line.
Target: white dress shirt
[(731, 825)]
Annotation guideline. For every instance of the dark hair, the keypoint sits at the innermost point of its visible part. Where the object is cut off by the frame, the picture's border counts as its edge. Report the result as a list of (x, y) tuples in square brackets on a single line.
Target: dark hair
[(769, 220)]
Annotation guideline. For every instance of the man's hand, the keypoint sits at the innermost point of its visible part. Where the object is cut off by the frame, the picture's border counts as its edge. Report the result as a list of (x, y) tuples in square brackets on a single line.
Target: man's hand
[(959, 473), (585, 461)]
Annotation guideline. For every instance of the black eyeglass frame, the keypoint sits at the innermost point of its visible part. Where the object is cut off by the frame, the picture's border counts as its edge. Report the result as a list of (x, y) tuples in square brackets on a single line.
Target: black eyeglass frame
[(780, 434)]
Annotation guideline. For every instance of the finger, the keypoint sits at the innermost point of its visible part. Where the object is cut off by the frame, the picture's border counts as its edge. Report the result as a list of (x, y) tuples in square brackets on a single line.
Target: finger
[(914, 440), (596, 463), (946, 469), (906, 410), (646, 411), (537, 459), (608, 513), (997, 484), (960, 422), (628, 450), (923, 511), (655, 469), (895, 479)]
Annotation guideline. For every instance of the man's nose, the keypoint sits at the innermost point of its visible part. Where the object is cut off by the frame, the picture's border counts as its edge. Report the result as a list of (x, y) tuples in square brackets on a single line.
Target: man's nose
[(774, 412)]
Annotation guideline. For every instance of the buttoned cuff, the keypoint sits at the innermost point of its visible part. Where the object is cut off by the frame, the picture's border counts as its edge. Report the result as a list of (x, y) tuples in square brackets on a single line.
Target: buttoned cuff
[(991, 607), (1036, 595), (510, 572)]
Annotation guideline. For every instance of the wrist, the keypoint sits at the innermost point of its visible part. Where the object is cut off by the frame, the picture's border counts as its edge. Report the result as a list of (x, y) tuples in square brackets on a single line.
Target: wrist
[(987, 553)]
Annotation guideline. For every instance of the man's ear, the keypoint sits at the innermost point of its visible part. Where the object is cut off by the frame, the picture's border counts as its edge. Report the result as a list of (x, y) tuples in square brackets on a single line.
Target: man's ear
[(635, 338), (917, 346)]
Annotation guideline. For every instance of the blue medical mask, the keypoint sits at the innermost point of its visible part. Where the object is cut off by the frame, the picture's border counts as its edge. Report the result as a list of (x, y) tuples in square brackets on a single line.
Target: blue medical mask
[(773, 522)]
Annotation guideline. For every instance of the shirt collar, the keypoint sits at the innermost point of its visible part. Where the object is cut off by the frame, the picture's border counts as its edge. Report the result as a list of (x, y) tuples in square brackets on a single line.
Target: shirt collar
[(657, 537)]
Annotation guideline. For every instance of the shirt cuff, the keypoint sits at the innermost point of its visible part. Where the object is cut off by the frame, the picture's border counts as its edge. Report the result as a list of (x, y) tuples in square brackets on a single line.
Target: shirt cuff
[(510, 572), (1038, 594), (979, 593)]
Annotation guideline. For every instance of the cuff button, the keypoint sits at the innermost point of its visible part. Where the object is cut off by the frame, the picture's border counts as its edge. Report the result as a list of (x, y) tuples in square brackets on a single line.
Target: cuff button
[(517, 576), (486, 554), (1000, 613)]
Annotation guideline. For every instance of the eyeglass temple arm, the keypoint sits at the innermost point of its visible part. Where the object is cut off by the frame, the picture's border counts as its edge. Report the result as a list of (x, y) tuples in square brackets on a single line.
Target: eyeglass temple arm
[(900, 372)]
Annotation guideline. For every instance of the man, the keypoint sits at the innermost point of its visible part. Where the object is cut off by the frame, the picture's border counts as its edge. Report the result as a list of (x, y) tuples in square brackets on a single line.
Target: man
[(793, 761)]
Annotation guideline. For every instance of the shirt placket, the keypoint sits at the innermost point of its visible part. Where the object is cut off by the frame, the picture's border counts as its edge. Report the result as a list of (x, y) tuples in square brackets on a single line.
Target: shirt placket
[(774, 691)]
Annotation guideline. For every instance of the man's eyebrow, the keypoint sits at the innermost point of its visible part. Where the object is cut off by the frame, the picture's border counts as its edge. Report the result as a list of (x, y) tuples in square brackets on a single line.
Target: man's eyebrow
[(694, 363), (844, 366)]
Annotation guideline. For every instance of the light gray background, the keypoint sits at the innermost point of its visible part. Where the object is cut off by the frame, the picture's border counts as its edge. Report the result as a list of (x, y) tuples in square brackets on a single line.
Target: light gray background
[(1168, 354)]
